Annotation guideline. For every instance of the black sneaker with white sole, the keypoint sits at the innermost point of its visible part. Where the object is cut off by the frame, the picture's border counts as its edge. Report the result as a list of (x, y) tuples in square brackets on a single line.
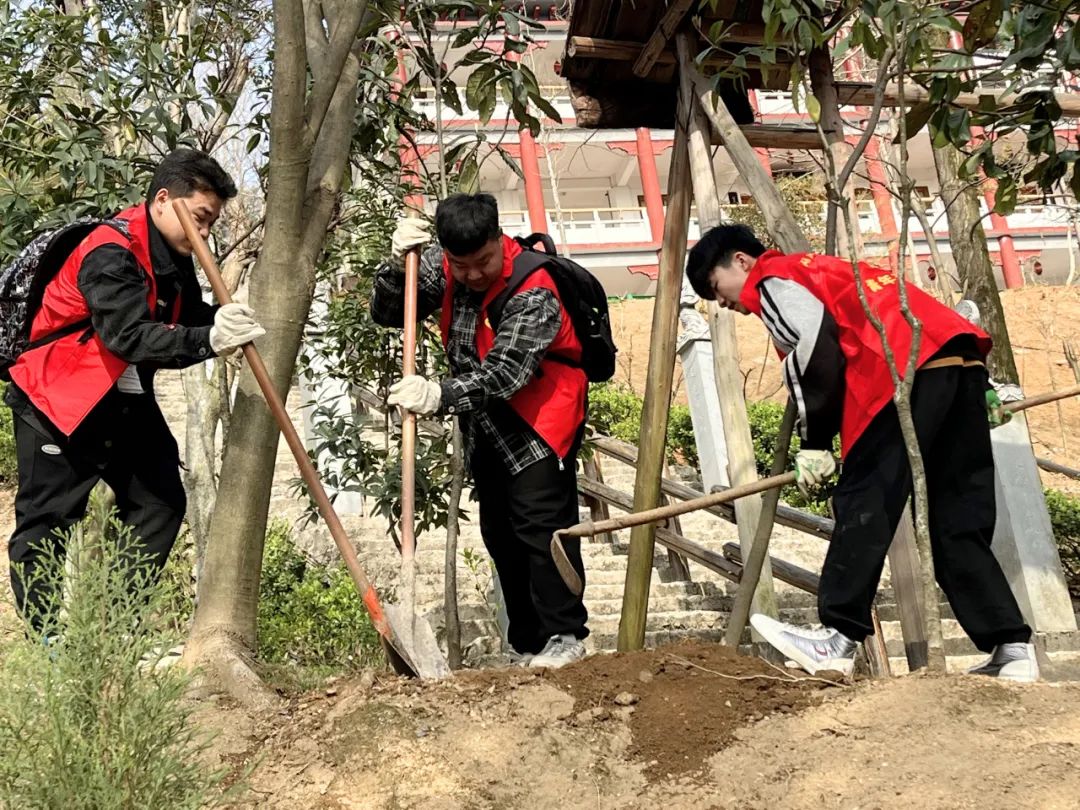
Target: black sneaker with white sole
[(1010, 662)]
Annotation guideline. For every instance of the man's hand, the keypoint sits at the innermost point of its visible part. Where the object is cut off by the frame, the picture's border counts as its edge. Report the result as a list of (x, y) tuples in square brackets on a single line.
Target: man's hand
[(812, 469), (996, 414), (415, 394), (410, 232), (234, 325)]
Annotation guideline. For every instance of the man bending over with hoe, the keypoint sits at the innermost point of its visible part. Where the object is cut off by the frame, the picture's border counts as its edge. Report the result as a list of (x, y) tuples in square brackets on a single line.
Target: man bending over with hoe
[(836, 372), (115, 301), (520, 395)]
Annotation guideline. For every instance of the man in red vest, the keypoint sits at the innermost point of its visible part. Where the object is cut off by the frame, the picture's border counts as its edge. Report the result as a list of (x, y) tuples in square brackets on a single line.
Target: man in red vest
[(521, 403), (836, 372), (125, 303)]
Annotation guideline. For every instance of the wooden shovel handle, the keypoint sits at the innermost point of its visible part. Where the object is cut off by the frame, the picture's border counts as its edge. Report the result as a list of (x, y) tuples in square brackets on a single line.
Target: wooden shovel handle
[(408, 419), (662, 513), (277, 408)]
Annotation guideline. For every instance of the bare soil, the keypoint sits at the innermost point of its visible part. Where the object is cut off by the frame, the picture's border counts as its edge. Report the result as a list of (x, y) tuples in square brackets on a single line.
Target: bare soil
[(514, 739)]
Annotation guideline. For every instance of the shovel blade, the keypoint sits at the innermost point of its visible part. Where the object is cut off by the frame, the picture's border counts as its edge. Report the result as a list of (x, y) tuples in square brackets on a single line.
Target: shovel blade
[(565, 567), (415, 643)]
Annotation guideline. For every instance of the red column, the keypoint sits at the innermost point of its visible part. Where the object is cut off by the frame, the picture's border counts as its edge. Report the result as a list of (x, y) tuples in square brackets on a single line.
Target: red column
[(1010, 264), (410, 160), (534, 190), (650, 183), (879, 187), (762, 153)]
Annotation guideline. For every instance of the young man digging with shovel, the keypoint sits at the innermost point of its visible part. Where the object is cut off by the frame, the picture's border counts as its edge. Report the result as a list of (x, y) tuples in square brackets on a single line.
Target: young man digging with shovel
[(836, 372), (520, 397), (119, 300)]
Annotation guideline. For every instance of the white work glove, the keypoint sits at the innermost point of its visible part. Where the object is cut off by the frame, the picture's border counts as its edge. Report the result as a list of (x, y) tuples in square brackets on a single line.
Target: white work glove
[(410, 232), (415, 394), (234, 325), (812, 469)]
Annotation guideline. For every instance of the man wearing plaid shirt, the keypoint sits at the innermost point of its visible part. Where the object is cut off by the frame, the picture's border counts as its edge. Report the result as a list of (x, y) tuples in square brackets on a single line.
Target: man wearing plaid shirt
[(521, 401)]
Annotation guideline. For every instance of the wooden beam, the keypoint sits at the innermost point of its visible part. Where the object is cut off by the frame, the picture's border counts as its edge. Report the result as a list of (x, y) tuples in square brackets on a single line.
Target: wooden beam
[(787, 572), (1054, 467), (671, 20), (658, 385), (779, 220), (618, 50), (778, 136), (860, 94)]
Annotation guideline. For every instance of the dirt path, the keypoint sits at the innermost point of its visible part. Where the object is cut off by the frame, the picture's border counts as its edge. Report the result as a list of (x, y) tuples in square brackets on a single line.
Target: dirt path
[(694, 739)]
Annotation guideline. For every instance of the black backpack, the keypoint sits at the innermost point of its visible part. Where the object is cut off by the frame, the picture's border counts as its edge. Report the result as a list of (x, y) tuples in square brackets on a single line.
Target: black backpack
[(582, 296), (23, 282)]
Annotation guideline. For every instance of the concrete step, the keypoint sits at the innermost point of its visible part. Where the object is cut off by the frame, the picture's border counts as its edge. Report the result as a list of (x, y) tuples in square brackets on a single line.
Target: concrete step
[(599, 608), (608, 641), (674, 620)]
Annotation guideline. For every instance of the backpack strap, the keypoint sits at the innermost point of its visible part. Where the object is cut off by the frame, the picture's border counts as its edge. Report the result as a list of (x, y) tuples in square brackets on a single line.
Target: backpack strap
[(526, 263)]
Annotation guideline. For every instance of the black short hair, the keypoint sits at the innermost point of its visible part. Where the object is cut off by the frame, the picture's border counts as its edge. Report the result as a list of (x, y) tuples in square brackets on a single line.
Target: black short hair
[(465, 223), (184, 171), (717, 246)]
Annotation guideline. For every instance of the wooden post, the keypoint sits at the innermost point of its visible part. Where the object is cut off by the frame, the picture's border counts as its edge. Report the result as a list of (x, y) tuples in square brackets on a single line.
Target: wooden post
[(757, 556), (905, 571), (658, 383), (598, 510)]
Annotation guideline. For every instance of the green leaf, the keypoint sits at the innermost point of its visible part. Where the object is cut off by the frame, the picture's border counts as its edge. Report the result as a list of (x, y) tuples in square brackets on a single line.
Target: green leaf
[(813, 108), (469, 175), (547, 108), (917, 117), (478, 85), (1005, 197), (982, 24)]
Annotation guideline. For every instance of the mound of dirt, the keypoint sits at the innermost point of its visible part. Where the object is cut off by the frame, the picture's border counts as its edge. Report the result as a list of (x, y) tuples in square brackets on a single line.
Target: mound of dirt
[(688, 698)]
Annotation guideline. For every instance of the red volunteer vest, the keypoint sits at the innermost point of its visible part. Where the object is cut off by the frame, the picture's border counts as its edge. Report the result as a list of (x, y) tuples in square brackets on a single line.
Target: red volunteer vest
[(66, 378), (553, 402), (867, 380)]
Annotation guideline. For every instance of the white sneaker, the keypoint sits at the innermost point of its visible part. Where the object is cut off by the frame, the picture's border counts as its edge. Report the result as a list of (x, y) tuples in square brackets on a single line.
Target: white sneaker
[(812, 649), (1010, 662), (558, 652)]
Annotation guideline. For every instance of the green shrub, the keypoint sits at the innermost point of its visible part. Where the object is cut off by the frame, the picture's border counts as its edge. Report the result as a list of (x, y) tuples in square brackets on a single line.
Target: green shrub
[(85, 721), (765, 418), (310, 615), (7, 444), (681, 443), (1065, 519), (615, 411)]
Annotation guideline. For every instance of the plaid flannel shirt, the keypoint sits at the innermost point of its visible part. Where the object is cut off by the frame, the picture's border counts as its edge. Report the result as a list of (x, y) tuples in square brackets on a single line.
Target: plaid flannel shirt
[(478, 391)]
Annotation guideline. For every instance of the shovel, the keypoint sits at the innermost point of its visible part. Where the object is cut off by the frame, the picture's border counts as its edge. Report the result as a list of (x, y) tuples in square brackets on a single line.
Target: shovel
[(409, 643)]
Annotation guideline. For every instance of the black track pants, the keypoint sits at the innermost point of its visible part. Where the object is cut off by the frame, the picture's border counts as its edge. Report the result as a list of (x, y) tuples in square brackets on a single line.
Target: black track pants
[(518, 515), (949, 411), (125, 442)]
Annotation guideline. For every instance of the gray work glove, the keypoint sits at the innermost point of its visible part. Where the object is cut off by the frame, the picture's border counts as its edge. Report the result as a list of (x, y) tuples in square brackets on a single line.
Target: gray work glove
[(234, 325), (812, 469), (411, 232), (415, 394)]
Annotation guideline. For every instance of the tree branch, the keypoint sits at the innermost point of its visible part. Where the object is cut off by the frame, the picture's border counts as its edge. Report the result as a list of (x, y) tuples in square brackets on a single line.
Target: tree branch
[(326, 77)]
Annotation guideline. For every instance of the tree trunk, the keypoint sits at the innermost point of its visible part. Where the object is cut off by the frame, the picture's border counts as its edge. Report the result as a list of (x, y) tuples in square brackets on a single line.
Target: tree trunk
[(453, 528), (309, 149), (972, 259)]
